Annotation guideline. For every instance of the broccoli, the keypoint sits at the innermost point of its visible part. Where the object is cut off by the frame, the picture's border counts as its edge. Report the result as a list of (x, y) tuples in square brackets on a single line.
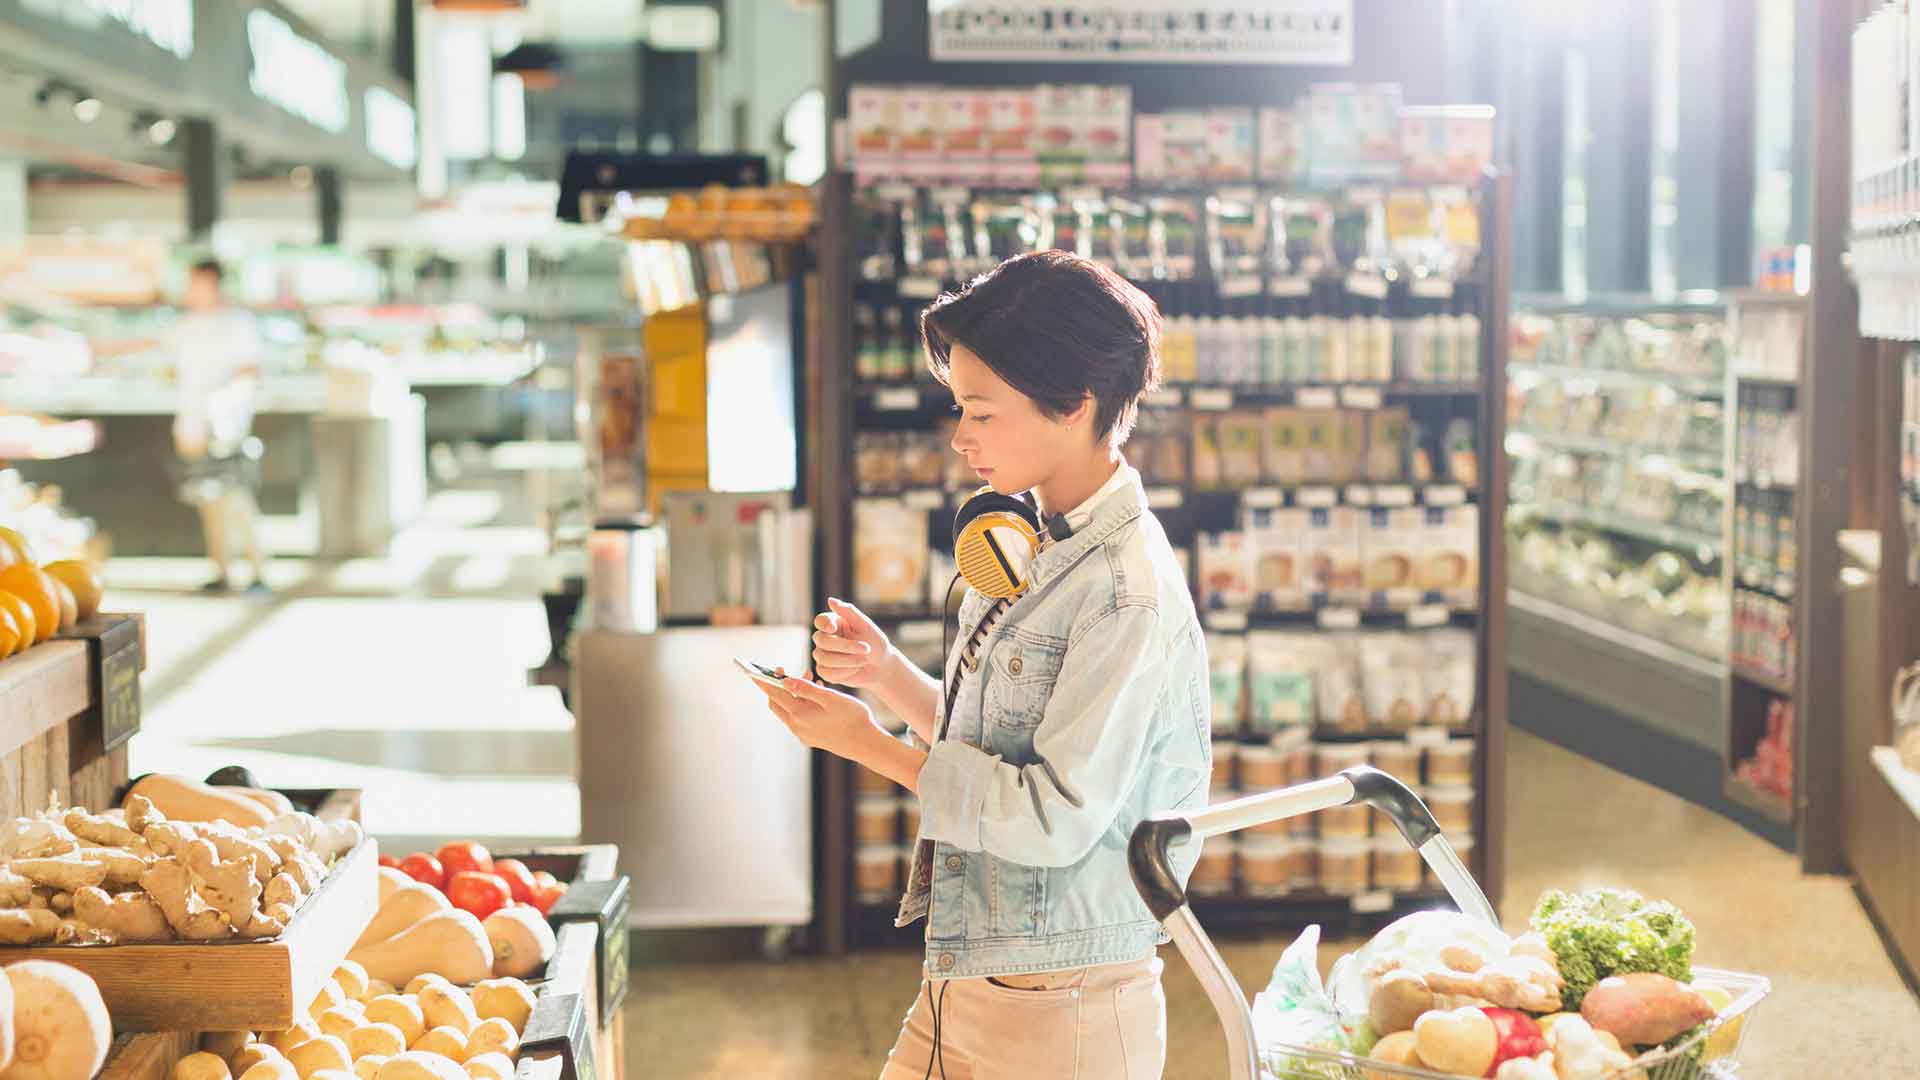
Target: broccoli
[(1606, 932)]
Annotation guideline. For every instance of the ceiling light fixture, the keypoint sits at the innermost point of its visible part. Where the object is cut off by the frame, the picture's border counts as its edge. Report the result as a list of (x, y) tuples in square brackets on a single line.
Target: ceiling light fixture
[(87, 109), (162, 131), (301, 176)]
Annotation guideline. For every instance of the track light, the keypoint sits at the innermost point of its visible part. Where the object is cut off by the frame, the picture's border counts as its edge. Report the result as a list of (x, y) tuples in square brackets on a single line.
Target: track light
[(87, 109), (161, 131)]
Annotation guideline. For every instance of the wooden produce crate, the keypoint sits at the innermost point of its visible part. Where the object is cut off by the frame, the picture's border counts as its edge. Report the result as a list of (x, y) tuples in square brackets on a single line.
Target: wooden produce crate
[(55, 703), (231, 985), (147, 1056), (578, 1024)]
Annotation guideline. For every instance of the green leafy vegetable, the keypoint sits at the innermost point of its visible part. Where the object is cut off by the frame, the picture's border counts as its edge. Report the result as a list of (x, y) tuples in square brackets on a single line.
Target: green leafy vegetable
[(1604, 932)]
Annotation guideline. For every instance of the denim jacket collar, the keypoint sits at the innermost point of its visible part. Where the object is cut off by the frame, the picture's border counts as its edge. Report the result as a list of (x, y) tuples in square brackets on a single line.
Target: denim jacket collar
[(1116, 511)]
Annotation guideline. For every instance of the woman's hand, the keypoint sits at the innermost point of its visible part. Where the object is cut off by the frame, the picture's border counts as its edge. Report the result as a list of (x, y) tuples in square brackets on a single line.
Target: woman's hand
[(821, 718), (848, 649)]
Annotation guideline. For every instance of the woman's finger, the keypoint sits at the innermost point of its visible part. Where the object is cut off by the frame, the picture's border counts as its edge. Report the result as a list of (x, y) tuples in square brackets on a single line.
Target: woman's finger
[(830, 643), (826, 621)]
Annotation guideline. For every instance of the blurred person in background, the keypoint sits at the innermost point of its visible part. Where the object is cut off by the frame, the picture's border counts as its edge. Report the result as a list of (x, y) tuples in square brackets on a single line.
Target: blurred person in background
[(217, 349)]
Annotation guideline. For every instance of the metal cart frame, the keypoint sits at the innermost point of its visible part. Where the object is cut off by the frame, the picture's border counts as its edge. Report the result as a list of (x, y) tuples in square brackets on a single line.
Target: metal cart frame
[(1148, 858)]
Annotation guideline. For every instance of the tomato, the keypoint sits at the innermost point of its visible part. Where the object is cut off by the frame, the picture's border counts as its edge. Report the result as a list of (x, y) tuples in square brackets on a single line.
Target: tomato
[(388, 860), (465, 855), (481, 894), (424, 869), (517, 876), (1519, 1036), (547, 891)]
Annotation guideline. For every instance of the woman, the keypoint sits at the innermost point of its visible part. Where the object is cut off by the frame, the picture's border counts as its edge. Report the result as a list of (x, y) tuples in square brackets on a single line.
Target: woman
[(1070, 713)]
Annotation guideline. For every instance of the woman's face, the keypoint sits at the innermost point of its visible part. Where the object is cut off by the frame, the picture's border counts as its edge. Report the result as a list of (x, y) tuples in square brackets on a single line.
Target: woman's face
[(1003, 435)]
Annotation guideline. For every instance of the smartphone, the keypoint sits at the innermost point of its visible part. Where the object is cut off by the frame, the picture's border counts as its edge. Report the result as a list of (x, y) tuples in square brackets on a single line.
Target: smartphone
[(758, 672)]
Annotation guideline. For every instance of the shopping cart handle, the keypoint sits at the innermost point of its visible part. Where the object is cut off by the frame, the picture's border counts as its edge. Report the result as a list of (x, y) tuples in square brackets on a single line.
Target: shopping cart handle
[(1149, 851)]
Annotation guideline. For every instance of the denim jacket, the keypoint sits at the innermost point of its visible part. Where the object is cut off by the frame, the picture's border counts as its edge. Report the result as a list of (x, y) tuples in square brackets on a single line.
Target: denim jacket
[(1086, 711)]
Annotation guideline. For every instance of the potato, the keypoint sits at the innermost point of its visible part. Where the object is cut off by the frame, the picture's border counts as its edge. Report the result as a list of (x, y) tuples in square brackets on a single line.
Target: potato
[(494, 1066), (271, 1069), (1397, 1001), (416, 1065), (1463, 1041), (1644, 1008), (340, 1021), (352, 979), (303, 1030), (400, 1011), (1395, 1049), (225, 1044), (448, 1006), (367, 1068), (383, 1040), (325, 1052), (421, 982), (490, 1036), (253, 1054), (448, 1042), (509, 999), (201, 1066), (331, 996)]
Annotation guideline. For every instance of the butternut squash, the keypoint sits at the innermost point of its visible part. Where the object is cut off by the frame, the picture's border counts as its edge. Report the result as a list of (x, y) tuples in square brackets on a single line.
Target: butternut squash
[(382, 1040), (508, 999), (492, 1066), (406, 906), (61, 1029), (201, 1066), (445, 1041), (245, 1058), (452, 943), (303, 1030), (278, 1068), (379, 988), (6, 1022), (352, 979), (522, 941), (391, 879), (329, 997), (493, 1036), (423, 980), (332, 1074), (416, 1065), (367, 1068), (182, 799), (275, 803), (340, 1021), (225, 1044)]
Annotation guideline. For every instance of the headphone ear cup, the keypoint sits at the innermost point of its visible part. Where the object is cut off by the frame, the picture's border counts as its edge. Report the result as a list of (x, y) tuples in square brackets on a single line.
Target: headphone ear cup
[(986, 500), (995, 539)]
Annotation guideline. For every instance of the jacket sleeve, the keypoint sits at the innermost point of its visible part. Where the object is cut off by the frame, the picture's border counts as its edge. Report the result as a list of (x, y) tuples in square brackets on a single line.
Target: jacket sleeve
[(1088, 751)]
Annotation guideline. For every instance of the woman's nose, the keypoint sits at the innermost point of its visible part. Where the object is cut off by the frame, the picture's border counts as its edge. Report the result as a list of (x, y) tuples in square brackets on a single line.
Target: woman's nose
[(961, 443)]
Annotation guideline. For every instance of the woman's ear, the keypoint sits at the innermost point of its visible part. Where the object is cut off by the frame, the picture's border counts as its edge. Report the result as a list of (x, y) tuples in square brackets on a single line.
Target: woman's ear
[(1080, 417)]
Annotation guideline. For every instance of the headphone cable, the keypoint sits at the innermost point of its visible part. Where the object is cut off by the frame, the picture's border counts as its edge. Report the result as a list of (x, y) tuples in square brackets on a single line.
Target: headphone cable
[(946, 625)]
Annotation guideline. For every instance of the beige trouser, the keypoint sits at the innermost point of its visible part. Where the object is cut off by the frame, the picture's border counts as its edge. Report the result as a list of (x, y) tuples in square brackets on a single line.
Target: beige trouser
[(1098, 1023)]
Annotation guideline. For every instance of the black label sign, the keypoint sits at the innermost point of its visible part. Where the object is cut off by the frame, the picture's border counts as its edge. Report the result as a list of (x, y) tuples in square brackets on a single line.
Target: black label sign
[(119, 694), (614, 958)]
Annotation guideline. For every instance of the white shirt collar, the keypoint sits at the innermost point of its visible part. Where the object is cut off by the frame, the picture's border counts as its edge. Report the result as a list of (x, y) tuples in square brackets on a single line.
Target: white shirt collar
[(1081, 516)]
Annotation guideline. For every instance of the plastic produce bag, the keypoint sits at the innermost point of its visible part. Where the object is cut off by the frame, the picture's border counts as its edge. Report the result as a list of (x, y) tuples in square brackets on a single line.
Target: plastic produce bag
[(1295, 1010)]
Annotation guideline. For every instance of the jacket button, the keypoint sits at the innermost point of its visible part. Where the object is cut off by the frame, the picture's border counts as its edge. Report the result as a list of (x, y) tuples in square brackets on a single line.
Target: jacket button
[(971, 663), (1014, 665), (946, 961), (955, 864)]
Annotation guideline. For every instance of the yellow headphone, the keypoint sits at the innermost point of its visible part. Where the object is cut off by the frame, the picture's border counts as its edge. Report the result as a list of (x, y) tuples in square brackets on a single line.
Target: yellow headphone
[(995, 539)]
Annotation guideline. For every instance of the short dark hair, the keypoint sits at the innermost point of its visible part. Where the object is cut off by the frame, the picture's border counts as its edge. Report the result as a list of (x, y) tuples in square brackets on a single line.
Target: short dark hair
[(208, 266), (1057, 328)]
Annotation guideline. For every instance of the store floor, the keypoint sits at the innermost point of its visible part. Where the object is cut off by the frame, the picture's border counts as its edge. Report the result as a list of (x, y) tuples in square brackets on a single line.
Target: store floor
[(1838, 1007)]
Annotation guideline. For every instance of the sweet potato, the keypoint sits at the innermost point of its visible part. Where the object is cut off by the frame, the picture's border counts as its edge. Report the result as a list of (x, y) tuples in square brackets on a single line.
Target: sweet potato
[(1644, 1009)]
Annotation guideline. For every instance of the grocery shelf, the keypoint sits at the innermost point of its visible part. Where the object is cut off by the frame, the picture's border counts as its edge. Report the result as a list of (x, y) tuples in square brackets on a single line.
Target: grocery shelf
[(1424, 731), (1692, 385), (1754, 378), (1765, 803), (1654, 532), (1765, 681), (1759, 577), (915, 397), (1711, 464)]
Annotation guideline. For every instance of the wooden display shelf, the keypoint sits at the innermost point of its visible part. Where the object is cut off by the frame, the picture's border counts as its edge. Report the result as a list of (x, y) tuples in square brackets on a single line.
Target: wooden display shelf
[(148, 1055), (231, 985)]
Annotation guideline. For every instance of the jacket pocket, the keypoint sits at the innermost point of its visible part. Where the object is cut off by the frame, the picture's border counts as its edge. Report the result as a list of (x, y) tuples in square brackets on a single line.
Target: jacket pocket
[(1021, 682), (1017, 896)]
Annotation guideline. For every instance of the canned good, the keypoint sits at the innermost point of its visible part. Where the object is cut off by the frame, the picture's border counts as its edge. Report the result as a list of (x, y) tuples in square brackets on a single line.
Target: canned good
[(1450, 764), (1345, 865)]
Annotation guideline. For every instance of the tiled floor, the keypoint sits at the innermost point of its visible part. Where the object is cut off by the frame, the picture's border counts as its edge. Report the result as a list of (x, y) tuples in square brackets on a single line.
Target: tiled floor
[(406, 675)]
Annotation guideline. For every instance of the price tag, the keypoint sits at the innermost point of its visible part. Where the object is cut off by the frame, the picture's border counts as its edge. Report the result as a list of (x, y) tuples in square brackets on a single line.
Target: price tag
[(1235, 287), (1360, 397), (919, 287), (897, 399), (1431, 288), (925, 499), (1403, 599), (1165, 398), (1359, 495), (1212, 399), (1372, 903), (1260, 498), (1227, 620), (1427, 736), (1165, 498), (1446, 495), (1339, 618), (1317, 497), (1287, 288), (1314, 397), (1393, 495), (1422, 616), (1371, 286)]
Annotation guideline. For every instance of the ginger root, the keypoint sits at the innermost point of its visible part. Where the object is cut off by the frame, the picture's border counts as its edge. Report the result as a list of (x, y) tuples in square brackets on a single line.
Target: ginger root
[(170, 837), (227, 885), (28, 926), (128, 916), (142, 814), (170, 884), (100, 829), (1516, 982), (123, 867), (232, 843), (15, 891), (307, 872), (282, 889), (64, 873)]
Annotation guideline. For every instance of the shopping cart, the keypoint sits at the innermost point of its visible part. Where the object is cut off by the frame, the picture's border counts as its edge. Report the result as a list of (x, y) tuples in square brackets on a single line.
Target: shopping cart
[(1707, 1054)]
